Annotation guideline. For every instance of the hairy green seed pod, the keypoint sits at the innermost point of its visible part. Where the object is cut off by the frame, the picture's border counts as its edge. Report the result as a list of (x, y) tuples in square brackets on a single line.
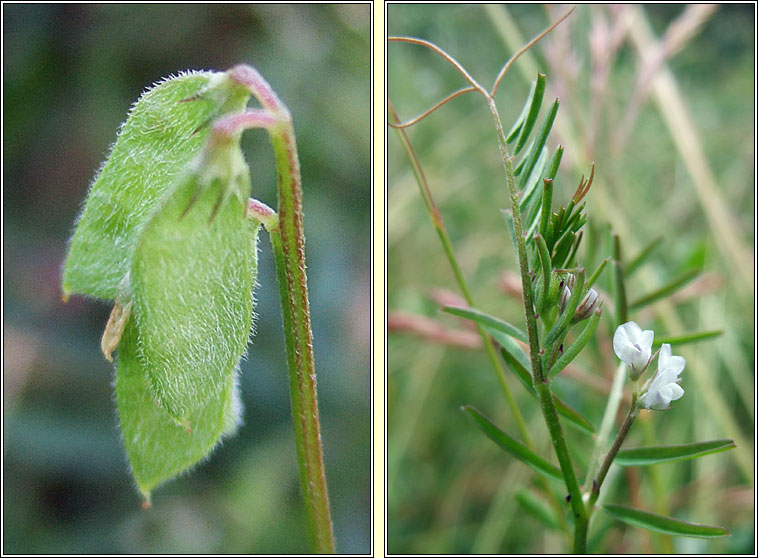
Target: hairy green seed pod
[(158, 448), (156, 143), (192, 281), (164, 234)]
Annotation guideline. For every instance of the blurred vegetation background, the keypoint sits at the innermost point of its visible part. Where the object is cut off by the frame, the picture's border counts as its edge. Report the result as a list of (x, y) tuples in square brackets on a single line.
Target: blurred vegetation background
[(71, 72), (661, 98)]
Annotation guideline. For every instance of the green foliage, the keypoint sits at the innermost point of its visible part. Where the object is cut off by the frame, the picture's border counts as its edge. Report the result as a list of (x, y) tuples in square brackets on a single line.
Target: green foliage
[(624, 199), (192, 279), (486, 320), (64, 463), (157, 447), (663, 524), (514, 447), (164, 233), (161, 136), (663, 454)]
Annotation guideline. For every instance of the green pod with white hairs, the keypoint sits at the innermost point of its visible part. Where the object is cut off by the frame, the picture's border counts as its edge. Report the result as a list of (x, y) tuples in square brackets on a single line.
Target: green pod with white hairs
[(164, 233)]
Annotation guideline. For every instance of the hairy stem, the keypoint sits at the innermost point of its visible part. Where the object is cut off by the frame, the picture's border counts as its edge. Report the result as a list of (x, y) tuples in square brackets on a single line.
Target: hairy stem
[(447, 245), (542, 385), (288, 243)]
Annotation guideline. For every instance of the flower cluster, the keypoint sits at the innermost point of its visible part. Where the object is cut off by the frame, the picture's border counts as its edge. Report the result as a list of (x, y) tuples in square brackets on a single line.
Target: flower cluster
[(634, 346)]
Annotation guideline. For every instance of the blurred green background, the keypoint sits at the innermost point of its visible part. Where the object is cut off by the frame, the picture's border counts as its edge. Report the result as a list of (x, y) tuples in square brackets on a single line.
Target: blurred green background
[(71, 72), (687, 176)]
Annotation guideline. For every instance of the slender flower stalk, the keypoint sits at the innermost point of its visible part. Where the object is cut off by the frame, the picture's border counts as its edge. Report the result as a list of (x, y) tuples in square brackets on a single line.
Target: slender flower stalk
[(611, 455)]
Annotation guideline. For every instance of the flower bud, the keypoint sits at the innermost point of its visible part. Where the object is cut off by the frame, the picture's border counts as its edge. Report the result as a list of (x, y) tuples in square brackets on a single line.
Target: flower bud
[(589, 304), (587, 307)]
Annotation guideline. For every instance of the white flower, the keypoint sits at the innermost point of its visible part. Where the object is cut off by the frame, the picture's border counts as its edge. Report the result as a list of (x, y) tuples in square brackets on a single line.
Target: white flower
[(633, 346), (664, 387)]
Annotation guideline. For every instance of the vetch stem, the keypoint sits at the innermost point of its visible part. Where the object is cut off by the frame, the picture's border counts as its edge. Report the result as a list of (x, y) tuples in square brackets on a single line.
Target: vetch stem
[(447, 246), (288, 244), (611, 455), (541, 384)]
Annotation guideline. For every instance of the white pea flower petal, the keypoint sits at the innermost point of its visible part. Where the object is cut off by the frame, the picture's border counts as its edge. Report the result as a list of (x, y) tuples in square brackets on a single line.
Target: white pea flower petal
[(667, 361), (663, 391), (664, 387), (633, 346)]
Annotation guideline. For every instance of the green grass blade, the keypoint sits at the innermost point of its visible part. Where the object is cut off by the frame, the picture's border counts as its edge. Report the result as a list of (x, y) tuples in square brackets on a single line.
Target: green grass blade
[(487, 321), (664, 291), (542, 135), (574, 247), (662, 523), (562, 248), (662, 454), (619, 285), (597, 273), (534, 109), (555, 163), (530, 178), (547, 204), (546, 271), (509, 344), (515, 448)]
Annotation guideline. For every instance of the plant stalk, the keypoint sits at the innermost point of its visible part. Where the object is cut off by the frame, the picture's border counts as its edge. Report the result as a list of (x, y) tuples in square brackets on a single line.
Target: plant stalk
[(611, 455), (541, 385), (288, 244), (447, 246)]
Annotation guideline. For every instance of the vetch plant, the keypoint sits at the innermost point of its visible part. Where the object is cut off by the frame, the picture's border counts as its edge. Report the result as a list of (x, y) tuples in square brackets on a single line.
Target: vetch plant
[(169, 234), (562, 310)]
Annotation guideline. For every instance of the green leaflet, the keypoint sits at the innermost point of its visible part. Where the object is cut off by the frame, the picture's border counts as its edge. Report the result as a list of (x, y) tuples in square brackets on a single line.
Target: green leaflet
[(155, 144), (661, 454), (513, 446), (662, 523), (192, 282)]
